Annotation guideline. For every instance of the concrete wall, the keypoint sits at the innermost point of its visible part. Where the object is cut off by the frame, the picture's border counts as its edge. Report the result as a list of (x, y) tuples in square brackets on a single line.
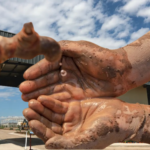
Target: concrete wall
[(137, 95)]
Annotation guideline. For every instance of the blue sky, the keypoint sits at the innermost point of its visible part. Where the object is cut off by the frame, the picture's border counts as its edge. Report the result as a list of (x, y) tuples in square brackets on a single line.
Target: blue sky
[(108, 23), (11, 102)]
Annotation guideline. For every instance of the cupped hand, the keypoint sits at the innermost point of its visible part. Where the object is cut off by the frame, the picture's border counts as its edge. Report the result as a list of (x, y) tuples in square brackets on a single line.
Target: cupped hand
[(85, 70), (92, 123)]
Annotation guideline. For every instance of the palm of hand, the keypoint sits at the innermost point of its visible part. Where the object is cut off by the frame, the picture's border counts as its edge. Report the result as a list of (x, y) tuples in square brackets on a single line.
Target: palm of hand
[(79, 81), (76, 124)]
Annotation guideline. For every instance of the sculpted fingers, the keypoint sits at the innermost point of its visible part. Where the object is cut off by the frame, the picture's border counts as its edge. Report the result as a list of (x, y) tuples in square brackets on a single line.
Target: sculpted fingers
[(32, 115), (35, 94), (53, 104), (41, 130), (47, 113), (62, 96), (30, 44), (58, 89), (39, 69), (43, 81), (50, 49), (18, 45)]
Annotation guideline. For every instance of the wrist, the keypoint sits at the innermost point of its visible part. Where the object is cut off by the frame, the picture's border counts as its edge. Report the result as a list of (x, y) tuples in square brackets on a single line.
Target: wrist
[(4, 49), (138, 120), (131, 121), (139, 57), (144, 132)]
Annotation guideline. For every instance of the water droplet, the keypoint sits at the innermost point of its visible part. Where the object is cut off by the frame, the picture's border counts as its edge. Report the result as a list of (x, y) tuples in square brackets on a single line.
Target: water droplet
[(63, 73)]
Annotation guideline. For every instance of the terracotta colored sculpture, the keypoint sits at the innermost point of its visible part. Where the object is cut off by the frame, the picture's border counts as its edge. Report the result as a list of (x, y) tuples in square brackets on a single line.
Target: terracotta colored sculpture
[(76, 105), (86, 124), (28, 44)]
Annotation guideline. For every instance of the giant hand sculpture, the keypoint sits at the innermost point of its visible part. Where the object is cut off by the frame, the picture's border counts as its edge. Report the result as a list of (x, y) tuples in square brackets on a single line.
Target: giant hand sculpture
[(76, 73), (92, 123), (77, 123)]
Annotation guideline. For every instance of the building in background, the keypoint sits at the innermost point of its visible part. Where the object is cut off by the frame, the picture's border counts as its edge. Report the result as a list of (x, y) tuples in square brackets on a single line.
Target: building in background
[(11, 121), (9, 125)]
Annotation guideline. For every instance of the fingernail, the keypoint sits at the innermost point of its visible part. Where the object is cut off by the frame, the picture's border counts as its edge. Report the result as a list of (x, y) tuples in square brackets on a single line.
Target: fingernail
[(31, 102), (25, 111), (28, 28), (41, 98)]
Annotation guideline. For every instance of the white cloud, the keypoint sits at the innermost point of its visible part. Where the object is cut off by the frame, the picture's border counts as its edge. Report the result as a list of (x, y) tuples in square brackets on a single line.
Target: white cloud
[(75, 20), (58, 19), (113, 30), (123, 33), (145, 13), (114, 21), (138, 34), (2, 87), (7, 93), (132, 6), (136, 8), (113, 1)]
